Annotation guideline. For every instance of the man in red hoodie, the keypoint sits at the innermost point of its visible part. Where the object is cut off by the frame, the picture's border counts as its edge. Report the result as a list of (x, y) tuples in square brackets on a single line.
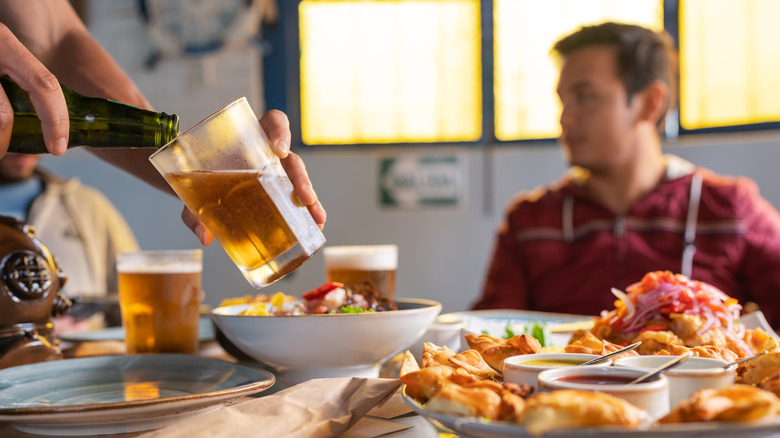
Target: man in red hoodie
[(625, 208)]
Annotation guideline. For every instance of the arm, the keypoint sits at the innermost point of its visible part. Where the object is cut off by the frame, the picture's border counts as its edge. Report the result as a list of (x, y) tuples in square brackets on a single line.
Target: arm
[(57, 38)]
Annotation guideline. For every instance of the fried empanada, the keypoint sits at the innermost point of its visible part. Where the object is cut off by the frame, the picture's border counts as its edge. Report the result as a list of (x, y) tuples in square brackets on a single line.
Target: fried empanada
[(570, 409), (512, 406), (423, 383), (759, 340), (709, 351), (732, 403), (474, 363), (754, 371), (454, 399), (495, 350), (771, 384), (588, 343), (434, 355), (408, 364), (655, 341)]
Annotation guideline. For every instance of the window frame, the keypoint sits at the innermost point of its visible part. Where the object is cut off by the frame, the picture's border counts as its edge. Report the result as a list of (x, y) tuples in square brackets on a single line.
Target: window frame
[(281, 83)]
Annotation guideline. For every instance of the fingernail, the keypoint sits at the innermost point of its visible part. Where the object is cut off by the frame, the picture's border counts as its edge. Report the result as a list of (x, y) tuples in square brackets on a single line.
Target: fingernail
[(284, 147), (199, 233), (60, 146)]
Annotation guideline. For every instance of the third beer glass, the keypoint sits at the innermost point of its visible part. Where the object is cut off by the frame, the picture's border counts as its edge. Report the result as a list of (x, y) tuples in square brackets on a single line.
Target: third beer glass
[(352, 265), (224, 170)]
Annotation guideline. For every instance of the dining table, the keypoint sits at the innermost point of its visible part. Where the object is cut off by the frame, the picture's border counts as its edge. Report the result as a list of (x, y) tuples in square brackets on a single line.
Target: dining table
[(344, 407)]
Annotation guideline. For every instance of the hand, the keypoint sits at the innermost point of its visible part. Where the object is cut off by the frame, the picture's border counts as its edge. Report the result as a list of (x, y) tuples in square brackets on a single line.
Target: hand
[(45, 93), (277, 128)]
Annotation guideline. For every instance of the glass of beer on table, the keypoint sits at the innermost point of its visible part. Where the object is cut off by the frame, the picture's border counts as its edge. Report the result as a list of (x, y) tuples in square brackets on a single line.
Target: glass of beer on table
[(225, 172), (356, 264), (159, 297)]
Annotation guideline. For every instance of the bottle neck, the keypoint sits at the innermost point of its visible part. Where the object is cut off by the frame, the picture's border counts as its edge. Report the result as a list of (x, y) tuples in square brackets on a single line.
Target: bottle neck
[(169, 128)]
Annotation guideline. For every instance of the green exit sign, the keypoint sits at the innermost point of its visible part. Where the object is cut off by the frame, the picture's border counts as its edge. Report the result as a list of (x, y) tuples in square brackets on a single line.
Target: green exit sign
[(411, 181)]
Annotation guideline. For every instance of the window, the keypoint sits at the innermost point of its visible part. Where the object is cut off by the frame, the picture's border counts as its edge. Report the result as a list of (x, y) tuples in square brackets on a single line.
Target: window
[(390, 71), (441, 71), (729, 63), (526, 105)]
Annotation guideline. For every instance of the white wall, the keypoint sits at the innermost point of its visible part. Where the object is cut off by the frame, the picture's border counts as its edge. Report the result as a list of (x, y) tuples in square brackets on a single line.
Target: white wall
[(443, 252)]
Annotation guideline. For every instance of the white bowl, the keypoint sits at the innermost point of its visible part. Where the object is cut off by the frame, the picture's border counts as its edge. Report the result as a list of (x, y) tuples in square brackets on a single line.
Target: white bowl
[(688, 377), (652, 396), (304, 347), (517, 370)]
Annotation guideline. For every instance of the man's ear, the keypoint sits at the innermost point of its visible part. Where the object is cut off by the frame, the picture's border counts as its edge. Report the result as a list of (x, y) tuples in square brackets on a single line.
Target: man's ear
[(654, 100)]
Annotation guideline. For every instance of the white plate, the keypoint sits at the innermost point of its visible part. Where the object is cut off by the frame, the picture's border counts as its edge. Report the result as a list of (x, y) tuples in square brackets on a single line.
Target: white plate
[(494, 322), (476, 428), (205, 333), (757, 319), (119, 394)]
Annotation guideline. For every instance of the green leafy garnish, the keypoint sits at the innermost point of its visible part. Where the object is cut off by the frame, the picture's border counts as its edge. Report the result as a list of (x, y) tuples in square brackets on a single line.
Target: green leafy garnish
[(354, 309), (509, 332), (541, 332)]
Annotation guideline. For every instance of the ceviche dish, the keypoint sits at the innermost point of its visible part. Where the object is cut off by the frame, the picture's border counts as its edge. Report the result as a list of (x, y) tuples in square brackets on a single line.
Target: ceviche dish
[(329, 298)]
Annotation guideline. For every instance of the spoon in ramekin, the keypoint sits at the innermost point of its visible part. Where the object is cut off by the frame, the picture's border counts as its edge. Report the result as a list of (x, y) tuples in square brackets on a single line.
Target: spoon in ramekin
[(744, 359), (671, 364), (613, 354)]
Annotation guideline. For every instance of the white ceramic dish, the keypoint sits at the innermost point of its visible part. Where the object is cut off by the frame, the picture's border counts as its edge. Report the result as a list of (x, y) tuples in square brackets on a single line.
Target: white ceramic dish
[(476, 428), (205, 333), (300, 348), (755, 320), (688, 377), (516, 370), (495, 322), (120, 394), (652, 395)]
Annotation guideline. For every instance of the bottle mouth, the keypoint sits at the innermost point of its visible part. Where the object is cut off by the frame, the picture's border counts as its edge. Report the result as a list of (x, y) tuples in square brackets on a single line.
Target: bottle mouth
[(169, 130)]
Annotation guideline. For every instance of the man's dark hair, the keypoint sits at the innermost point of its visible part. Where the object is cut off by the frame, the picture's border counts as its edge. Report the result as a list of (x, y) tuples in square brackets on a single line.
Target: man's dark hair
[(642, 55)]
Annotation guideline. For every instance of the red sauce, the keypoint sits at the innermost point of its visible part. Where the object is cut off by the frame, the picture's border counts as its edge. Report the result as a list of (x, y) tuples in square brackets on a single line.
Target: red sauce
[(596, 380)]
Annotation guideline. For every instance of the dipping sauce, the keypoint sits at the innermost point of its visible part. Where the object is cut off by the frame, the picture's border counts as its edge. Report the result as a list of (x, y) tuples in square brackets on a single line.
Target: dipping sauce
[(596, 380), (553, 363)]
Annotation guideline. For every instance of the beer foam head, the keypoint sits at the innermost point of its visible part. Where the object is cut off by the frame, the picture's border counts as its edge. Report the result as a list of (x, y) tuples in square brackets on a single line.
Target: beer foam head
[(177, 268), (363, 257), (160, 261)]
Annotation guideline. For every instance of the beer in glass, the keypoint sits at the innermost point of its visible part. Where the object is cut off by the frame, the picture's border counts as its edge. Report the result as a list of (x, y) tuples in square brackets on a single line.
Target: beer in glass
[(353, 265), (225, 172), (159, 297)]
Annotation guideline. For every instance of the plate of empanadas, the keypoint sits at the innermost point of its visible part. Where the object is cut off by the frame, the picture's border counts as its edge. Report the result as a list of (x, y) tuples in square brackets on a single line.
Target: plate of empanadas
[(464, 393)]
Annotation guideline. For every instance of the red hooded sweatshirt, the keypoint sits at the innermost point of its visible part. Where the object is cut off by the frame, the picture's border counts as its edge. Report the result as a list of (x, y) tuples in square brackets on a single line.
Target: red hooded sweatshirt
[(560, 250)]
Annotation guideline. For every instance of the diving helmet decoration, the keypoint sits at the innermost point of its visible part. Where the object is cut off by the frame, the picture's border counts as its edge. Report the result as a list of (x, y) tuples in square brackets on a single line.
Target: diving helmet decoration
[(30, 282)]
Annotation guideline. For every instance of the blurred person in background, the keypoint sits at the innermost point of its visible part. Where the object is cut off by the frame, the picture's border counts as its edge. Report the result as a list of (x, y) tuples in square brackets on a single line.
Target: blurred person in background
[(625, 208), (78, 225)]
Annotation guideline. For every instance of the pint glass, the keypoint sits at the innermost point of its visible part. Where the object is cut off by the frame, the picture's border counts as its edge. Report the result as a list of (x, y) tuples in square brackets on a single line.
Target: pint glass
[(159, 297), (225, 172), (352, 265)]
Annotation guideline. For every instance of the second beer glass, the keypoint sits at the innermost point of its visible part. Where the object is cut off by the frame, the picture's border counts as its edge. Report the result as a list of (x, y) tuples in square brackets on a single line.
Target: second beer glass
[(159, 296), (224, 170)]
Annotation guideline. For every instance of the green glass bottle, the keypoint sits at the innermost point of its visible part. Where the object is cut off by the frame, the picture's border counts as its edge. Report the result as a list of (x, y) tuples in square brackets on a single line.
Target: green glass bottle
[(94, 122)]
